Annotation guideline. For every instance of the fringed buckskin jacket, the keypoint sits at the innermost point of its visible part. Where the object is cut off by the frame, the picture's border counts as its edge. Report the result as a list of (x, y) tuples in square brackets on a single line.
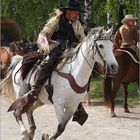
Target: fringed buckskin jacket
[(58, 26)]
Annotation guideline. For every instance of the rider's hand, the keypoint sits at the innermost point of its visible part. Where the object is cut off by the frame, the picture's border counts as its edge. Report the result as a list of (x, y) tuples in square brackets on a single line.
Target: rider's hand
[(43, 44), (45, 48)]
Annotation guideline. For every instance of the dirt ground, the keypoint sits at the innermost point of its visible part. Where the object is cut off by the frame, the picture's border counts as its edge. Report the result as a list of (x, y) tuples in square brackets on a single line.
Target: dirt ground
[(99, 126)]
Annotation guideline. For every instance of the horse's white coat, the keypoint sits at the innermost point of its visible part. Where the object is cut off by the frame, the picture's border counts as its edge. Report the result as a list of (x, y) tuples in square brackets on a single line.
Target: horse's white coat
[(80, 68)]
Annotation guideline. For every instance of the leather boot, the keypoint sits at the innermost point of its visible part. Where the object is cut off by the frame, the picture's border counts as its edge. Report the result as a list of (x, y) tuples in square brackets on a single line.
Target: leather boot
[(80, 116), (44, 70)]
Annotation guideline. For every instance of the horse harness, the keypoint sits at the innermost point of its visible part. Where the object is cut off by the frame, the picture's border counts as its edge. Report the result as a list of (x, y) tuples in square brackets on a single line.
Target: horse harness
[(78, 89), (129, 52)]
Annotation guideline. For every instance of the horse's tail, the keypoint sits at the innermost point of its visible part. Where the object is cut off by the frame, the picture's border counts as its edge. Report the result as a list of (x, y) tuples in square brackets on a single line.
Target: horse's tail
[(14, 61), (6, 85), (108, 96)]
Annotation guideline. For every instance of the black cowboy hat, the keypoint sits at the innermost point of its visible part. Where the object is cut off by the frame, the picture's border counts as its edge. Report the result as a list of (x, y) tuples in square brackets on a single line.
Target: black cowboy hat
[(72, 5)]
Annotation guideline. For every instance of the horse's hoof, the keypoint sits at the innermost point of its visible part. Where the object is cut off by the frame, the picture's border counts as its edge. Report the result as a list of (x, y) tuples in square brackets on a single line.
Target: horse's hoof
[(52, 138), (113, 115), (126, 111), (25, 135), (45, 137)]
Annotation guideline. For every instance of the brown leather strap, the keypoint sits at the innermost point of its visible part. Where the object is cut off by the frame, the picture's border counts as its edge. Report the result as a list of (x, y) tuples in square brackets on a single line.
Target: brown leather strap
[(78, 89)]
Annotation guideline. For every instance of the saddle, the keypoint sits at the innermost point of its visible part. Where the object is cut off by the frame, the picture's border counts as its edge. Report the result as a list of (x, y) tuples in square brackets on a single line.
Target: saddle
[(30, 61), (132, 53)]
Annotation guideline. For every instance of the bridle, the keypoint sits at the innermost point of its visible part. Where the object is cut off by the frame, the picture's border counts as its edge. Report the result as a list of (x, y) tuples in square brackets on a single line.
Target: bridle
[(97, 51)]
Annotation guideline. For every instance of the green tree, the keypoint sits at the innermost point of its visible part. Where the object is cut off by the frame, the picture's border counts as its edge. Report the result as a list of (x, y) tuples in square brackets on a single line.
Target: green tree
[(29, 14), (32, 14)]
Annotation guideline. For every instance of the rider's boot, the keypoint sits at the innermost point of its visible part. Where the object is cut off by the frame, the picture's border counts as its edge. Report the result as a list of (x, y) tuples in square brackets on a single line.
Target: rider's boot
[(44, 70)]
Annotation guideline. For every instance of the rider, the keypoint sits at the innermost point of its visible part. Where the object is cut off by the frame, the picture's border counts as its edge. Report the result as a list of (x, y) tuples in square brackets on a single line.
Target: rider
[(65, 29), (127, 35)]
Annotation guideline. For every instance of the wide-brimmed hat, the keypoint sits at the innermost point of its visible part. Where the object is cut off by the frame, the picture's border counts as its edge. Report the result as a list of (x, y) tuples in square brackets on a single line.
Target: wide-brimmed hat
[(72, 5), (127, 18)]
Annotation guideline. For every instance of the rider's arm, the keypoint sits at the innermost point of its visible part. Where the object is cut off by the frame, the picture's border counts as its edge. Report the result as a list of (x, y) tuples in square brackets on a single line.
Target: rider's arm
[(47, 32), (136, 36), (117, 39)]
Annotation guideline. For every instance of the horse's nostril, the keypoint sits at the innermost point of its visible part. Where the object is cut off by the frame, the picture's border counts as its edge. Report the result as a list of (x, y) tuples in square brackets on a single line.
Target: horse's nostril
[(112, 67)]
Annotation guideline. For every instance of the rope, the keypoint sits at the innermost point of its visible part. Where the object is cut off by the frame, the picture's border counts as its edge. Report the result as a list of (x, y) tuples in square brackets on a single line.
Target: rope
[(130, 55)]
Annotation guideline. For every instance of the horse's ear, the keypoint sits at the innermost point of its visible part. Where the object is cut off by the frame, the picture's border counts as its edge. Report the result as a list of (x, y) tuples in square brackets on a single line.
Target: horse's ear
[(109, 32), (101, 29)]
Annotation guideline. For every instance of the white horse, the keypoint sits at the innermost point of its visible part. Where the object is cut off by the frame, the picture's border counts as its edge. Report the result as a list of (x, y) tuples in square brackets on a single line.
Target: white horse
[(95, 48)]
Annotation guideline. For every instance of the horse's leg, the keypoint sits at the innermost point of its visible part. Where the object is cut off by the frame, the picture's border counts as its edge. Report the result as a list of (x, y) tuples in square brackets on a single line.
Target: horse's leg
[(59, 110), (63, 122), (125, 91), (63, 118), (24, 132), (116, 86), (32, 126), (88, 96)]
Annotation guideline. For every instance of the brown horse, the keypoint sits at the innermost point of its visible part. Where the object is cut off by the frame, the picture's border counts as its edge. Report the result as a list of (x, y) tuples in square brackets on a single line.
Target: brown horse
[(11, 43), (128, 72), (6, 52)]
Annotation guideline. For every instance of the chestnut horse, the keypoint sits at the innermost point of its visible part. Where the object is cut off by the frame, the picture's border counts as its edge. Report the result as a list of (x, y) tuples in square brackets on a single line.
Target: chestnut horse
[(10, 32), (128, 72), (6, 53)]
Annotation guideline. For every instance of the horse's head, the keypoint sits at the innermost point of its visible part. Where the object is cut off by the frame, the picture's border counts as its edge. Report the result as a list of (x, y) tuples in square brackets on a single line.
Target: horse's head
[(102, 47), (18, 48), (29, 44)]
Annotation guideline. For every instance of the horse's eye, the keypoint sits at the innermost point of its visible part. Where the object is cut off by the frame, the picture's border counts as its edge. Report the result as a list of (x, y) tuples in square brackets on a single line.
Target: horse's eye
[(101, 46)]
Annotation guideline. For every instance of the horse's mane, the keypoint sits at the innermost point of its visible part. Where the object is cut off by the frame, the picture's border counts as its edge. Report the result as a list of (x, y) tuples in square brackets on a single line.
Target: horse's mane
[(10, 29), (28, 62), (95, 30)]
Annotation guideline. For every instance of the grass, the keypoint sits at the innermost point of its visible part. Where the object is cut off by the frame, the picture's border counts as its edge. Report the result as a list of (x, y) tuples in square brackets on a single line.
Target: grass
[(96, 92)]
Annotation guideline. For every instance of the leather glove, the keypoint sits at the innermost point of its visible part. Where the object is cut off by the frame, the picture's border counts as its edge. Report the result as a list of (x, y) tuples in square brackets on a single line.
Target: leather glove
[(45, 48), (43, 44)]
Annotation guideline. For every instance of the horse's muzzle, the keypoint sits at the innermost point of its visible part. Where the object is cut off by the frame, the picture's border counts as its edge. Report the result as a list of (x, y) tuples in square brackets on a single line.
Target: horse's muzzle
[(112, 68)]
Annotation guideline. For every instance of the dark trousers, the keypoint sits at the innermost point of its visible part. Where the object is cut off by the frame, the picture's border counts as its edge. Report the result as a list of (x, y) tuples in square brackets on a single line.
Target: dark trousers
[(46, 67)]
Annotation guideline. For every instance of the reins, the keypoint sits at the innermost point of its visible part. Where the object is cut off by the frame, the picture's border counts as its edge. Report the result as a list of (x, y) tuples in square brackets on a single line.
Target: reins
[(97, 50)]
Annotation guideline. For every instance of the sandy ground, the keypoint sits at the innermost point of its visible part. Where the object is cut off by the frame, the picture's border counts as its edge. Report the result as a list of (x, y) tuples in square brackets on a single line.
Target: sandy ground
[(99, 126)]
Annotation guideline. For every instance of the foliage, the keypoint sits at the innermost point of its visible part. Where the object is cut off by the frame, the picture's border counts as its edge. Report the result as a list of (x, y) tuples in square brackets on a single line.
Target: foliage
[(32, 14), (132, 7)]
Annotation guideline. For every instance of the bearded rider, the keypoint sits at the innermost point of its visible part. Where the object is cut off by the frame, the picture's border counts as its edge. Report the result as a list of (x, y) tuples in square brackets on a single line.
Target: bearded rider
[(65, 29)]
